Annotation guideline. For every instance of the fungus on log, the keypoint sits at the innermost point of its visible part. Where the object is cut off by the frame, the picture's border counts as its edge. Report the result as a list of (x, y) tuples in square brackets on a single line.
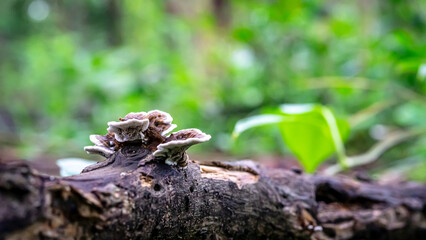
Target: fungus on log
[(147, 188), (147, 131)]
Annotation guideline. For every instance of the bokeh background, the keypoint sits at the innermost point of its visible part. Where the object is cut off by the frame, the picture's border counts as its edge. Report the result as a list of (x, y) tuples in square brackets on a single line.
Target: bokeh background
[(68, 67)]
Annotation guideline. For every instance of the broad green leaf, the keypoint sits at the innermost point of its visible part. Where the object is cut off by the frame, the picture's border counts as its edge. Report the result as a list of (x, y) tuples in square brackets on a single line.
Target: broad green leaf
[(310, 131), (309, 136), (255, 121)]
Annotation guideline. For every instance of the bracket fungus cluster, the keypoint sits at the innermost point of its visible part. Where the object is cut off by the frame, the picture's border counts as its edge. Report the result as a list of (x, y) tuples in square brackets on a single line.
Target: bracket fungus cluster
[(149, 130)]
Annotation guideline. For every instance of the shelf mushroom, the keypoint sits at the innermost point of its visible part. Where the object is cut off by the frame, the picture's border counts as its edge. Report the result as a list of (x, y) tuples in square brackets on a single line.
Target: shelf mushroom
[(100, 150), (104, 145), (173, 150), (150, 130), (128, 130)]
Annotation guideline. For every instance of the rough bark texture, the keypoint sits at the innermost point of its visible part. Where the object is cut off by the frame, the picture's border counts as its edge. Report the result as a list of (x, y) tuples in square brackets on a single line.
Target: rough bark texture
[(125, 198)]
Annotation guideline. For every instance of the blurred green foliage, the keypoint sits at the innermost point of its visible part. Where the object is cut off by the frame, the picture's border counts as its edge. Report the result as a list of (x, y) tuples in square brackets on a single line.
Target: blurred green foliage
[(68, 67)]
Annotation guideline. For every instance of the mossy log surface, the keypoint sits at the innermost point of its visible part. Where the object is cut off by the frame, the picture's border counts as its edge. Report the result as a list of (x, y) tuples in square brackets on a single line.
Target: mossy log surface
[(126, 198)]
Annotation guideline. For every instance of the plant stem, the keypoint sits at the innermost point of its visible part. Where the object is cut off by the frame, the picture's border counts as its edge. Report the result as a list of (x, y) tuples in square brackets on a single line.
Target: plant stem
[(376, 151), (335, 134)]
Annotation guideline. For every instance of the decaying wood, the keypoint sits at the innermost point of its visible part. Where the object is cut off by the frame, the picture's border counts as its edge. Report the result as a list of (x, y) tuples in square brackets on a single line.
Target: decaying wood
[(148, 189), (127, 199)]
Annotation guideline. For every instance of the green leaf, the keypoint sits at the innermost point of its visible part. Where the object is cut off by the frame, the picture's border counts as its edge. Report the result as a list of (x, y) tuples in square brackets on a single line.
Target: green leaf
[(255, 121), (314, 134), (310, 131)]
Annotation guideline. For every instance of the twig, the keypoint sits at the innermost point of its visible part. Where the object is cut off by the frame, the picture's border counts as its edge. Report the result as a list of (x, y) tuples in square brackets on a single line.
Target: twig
[(376, 151)]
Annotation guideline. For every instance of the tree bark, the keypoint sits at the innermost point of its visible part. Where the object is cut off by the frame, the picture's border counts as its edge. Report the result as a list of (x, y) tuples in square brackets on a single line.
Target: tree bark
[(125, 199)]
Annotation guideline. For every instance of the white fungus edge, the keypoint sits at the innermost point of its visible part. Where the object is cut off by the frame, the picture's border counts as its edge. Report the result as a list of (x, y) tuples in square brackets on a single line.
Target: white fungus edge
[(169, 130), (114, 126), (93, 138), (164, 148), (168, 119), (99, 150)]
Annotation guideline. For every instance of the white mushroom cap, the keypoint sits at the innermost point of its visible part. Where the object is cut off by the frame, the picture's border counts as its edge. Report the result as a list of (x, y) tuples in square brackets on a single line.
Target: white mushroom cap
[(95, 140), (100, 150), (103, 140), (173, 150), (165, 117), (160, 121), (134, 115), (128, 130)]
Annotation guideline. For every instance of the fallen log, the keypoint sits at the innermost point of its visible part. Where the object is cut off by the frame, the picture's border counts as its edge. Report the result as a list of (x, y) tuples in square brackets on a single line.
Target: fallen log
[(148, 189)]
